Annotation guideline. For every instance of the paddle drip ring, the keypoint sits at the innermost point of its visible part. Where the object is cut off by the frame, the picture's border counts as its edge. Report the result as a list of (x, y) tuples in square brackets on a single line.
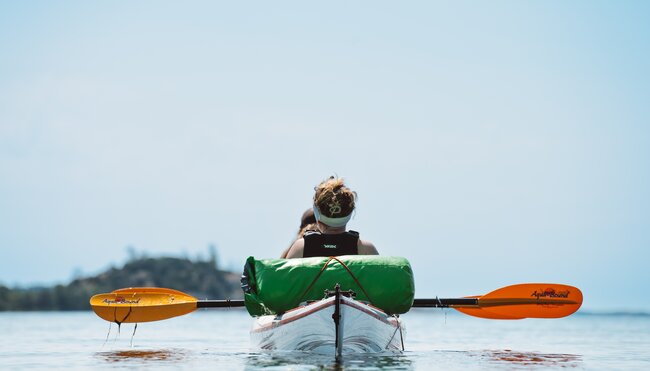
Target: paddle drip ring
[(119, 323)]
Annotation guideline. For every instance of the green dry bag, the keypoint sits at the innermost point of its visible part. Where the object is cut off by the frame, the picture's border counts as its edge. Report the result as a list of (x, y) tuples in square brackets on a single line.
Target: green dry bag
[(273, 286)]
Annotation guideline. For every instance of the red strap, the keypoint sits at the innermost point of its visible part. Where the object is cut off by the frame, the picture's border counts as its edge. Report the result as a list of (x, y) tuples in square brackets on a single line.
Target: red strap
[(346, 268), (353, 277), (316, 278)]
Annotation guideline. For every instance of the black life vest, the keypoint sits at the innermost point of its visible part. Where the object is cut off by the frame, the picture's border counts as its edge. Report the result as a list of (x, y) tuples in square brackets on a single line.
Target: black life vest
[(320, 244)]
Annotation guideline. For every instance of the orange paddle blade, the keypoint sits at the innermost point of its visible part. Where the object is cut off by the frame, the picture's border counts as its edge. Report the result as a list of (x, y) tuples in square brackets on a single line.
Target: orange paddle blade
[(482, 313), (532, 300), (142, 304)]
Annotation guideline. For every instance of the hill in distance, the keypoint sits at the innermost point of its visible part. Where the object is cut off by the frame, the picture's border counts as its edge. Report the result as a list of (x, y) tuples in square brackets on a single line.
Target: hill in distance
[(201, 279)]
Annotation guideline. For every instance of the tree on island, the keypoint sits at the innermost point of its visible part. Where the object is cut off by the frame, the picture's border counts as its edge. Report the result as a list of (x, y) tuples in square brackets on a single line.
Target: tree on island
[(200, 278)]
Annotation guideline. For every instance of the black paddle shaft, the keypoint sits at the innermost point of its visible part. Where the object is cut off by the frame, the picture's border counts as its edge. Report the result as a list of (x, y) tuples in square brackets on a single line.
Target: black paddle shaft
[(219, 303), (417, 303), (443, 303)]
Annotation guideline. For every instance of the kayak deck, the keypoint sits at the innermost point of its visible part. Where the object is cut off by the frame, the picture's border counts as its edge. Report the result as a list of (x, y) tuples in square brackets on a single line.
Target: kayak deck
[(311, 328)]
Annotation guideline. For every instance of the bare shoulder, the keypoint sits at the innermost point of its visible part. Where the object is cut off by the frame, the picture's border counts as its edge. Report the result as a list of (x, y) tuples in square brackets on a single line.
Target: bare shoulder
[(367, 248), (297, 249)]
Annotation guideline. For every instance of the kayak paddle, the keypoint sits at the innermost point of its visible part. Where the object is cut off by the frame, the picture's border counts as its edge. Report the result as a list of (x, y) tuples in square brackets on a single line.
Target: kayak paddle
[(526, 300), (529, 300)]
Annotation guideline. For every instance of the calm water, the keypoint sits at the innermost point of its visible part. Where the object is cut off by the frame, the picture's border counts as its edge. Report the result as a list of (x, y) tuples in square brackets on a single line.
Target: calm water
[(219, 340)]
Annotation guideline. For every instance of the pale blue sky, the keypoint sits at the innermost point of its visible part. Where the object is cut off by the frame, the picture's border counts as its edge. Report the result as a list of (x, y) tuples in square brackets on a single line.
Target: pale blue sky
[(490, 143)]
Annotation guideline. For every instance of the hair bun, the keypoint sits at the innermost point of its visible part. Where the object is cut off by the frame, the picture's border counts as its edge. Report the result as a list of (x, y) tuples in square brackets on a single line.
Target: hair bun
[(333, 198)]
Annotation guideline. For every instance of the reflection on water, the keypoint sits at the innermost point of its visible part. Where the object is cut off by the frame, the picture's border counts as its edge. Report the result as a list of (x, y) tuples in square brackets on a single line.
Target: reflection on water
[(526, 359), (324, 362), (143, 356), (510, 359)]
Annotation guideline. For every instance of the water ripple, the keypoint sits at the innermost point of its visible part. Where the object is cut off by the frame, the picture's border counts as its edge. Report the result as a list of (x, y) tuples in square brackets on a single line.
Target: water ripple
[(526, 359)]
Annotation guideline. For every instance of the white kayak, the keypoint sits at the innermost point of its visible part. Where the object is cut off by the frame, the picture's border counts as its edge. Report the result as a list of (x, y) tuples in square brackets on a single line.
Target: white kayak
[(312, 327)]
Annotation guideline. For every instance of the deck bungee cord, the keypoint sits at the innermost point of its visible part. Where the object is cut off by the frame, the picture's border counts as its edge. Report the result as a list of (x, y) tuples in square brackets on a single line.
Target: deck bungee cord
[(334, 258)]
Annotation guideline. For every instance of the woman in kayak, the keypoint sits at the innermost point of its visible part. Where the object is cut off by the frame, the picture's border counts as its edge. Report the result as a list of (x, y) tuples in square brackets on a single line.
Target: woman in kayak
[(333, 207)]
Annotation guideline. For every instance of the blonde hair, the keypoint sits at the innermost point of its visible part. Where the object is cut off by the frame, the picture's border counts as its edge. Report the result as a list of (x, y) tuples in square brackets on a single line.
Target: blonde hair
[(334, 199)]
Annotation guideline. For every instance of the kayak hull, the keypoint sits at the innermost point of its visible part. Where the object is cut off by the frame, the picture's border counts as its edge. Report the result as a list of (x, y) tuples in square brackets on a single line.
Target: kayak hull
[(311, 328)]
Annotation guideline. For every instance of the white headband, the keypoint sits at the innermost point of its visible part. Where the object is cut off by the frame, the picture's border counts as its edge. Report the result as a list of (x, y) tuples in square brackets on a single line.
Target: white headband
[(332, 222)]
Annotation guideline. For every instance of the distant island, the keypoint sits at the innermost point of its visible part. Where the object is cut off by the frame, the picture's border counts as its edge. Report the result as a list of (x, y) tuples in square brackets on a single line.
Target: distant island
[(200, 278)]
